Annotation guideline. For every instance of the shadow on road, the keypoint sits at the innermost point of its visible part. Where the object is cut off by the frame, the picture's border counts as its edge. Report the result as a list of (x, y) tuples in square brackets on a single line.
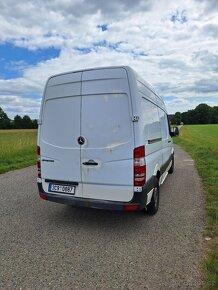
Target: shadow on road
[(95, 218)]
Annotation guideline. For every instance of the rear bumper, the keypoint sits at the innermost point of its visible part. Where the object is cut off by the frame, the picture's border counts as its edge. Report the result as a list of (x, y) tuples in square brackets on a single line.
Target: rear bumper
[(138, 201)]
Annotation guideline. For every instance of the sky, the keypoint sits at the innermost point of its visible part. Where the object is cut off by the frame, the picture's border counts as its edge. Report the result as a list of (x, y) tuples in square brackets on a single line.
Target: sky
[(173, 45)]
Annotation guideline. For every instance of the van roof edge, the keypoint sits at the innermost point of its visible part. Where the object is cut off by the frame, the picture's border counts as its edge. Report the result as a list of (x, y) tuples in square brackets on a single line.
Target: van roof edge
[(89, 69)]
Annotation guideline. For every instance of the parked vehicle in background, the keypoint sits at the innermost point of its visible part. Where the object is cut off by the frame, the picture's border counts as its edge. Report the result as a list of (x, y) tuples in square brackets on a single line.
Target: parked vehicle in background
[(175, 130), (104, 140)]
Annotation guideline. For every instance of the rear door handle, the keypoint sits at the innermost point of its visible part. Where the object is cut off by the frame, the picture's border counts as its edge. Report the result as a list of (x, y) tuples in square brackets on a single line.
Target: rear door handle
[(90, 162), (169, 141)]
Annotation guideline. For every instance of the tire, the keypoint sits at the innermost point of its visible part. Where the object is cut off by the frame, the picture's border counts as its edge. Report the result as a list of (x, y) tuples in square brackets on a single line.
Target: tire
[(170, 171), (153, 206)]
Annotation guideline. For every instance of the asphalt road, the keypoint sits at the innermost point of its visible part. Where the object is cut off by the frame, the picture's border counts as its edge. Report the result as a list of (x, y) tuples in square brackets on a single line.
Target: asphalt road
[(52, 246)]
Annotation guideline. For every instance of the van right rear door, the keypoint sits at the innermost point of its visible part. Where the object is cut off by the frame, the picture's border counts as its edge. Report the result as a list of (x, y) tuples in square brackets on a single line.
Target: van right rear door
[(106, 125)]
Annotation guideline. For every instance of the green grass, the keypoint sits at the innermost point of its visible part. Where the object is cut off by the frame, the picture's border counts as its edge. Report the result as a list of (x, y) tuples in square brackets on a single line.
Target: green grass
[(17, 149), (201, 142)]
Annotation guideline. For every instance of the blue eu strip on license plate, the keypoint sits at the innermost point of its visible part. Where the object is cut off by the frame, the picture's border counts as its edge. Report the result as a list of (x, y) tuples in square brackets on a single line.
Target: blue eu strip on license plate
[(67, 189)]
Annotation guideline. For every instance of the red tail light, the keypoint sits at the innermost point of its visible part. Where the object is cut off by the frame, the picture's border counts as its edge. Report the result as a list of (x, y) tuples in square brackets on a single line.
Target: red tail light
[(131, 207), (139, 166), (39, 165), (38, 162)]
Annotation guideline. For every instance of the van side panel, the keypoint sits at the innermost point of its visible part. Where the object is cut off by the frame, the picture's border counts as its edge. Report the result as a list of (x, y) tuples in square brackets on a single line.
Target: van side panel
[(166, 138), (152, 137), (155, 135)]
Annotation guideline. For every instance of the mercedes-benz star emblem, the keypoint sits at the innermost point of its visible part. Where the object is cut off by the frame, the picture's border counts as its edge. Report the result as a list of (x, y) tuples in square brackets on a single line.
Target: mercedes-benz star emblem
[(81, 140)]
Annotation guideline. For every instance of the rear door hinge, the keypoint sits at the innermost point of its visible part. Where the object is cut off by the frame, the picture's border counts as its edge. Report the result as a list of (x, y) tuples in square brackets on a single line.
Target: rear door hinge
[(135, 118)]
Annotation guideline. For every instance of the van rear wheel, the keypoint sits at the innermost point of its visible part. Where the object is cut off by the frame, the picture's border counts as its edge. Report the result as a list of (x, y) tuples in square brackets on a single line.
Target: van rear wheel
[(153, 206)]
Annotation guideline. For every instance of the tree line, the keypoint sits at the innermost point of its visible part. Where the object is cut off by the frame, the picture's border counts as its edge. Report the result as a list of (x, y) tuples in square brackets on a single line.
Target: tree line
[(17, 123), (202, 114)]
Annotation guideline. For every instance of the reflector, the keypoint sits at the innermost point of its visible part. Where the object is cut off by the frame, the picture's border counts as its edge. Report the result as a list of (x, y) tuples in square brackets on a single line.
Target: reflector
[(131, 207), (43, 196)]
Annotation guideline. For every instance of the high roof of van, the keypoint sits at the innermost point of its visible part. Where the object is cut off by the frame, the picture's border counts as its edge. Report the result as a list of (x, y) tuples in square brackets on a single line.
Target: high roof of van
[(130, 71)]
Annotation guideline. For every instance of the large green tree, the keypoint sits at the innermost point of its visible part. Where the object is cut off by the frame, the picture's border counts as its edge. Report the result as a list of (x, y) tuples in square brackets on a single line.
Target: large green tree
[(27, 123), (18, 122), (202, 114), (34, 124), (214, 115), (4, 120), (177, 118)]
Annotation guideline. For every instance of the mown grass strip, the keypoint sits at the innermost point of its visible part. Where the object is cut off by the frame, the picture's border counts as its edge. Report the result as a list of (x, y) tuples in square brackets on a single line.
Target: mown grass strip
[(201, 142), (17, 149)]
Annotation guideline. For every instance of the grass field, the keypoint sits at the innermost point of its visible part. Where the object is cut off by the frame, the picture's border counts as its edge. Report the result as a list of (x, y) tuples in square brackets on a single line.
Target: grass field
[(17, 149), (201, 142)]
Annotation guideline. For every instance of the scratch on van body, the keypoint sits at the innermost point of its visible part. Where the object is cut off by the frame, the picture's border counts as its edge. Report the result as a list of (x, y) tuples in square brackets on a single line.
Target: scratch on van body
[(112, 146), (87, 170), (116, 128), (91, 126)]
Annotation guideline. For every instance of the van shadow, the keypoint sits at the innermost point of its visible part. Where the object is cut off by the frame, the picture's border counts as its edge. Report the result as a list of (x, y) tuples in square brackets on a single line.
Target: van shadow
[(88, 218)]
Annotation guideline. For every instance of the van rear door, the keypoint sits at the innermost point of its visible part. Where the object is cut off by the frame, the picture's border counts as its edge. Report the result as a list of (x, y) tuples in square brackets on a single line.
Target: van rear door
[(107, 154), (60, 129)]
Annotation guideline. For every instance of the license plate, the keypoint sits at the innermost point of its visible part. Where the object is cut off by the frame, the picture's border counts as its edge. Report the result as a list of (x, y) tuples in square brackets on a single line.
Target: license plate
[(67, 189)]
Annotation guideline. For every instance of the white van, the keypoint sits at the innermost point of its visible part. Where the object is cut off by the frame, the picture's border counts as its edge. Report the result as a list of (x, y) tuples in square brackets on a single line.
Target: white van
[(104, 140)]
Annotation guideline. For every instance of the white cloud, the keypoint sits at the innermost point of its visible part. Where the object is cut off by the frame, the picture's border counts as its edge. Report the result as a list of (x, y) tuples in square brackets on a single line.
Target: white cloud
[(178, 57), (14, 105)]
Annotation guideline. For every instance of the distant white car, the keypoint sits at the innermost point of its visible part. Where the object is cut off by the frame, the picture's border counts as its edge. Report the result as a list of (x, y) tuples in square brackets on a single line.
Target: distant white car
[(104, 140)]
